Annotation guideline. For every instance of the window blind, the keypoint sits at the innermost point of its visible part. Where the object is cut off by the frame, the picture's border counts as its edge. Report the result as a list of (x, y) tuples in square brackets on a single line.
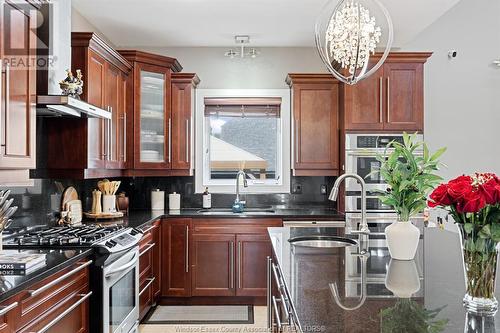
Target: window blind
[(243, 107)]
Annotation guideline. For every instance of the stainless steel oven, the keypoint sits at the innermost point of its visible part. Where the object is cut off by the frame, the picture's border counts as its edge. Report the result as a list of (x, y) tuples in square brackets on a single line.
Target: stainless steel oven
[(361, 158), (121, 293)]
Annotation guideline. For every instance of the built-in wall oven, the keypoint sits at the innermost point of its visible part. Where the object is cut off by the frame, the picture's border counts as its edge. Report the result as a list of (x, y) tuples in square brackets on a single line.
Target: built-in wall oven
[(361, 158)]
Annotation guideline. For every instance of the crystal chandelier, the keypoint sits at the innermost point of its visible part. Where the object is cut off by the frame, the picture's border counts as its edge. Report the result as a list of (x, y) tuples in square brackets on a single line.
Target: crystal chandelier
[(347, 34)]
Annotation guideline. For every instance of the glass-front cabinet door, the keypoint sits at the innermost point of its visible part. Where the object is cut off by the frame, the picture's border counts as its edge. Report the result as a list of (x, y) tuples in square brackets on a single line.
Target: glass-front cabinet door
[(153, 149)]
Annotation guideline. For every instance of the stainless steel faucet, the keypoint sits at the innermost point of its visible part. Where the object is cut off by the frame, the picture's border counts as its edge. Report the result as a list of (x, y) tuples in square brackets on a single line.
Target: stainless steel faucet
[(245, 184), (363, 226)]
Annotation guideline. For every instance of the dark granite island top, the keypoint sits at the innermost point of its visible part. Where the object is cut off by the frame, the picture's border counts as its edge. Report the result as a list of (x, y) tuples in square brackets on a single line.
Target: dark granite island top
[(56, 260), (434, 279)]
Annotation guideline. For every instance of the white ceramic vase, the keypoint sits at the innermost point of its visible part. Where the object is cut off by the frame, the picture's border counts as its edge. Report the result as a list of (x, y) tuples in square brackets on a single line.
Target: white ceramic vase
[(402, 240), (402, 278)]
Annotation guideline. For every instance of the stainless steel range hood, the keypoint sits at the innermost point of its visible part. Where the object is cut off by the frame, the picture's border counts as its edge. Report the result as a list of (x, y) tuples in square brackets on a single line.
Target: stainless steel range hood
[(55, 34), (59, 105)]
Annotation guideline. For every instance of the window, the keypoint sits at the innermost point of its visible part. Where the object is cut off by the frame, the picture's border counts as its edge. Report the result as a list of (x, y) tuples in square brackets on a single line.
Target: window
[(243, 133)]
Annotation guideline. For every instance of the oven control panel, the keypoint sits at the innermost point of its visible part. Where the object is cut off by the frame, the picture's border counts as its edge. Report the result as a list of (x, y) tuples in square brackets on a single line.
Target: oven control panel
[(370, 141), (126, 239)]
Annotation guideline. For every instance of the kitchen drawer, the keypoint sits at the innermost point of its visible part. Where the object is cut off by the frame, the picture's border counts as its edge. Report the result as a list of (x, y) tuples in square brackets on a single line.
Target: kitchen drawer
[(146, 297), (145, 261), (234, 226), (146, 239), (69, 315), (8, 314), (46, 296)]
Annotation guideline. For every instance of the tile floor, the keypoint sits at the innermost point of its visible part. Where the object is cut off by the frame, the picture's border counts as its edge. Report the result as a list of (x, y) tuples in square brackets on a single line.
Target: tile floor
[(259, 326)]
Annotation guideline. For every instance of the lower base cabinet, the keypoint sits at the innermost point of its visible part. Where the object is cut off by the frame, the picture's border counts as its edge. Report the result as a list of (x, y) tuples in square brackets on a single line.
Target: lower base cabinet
[(149, 268), (215, 257), (51, 307)]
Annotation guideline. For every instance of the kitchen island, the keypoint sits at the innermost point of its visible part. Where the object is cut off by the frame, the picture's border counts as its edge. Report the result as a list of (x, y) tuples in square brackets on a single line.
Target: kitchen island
[(311, 277)]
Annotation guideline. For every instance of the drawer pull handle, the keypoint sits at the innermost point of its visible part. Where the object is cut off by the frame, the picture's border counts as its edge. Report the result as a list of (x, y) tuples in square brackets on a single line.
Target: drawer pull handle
[(148, 229), (83, 298), (7, 308), (187, 249), (59, 279), (148, 247), (150, 282)]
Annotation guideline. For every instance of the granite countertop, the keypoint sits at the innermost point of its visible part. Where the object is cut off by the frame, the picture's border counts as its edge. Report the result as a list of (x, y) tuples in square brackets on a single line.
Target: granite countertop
[(56, 260), (434, 279), (140, 218)]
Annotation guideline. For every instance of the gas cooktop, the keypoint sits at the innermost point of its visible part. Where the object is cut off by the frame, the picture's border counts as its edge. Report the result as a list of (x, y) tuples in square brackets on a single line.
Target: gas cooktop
[(66, 236)]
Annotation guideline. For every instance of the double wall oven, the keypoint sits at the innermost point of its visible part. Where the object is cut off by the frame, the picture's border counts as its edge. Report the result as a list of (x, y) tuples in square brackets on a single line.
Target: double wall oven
[(361, 158)]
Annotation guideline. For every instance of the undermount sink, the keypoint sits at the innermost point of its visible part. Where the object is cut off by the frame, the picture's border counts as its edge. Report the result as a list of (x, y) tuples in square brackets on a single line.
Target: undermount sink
[(228, 211), (322, 241)]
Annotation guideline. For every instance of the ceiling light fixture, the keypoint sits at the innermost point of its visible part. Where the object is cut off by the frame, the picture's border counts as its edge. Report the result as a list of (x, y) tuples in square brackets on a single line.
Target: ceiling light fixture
[(241, 40), (347, 34)]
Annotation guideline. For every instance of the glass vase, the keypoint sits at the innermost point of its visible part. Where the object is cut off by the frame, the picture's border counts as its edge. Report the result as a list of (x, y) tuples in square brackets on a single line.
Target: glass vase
[(480, 258)]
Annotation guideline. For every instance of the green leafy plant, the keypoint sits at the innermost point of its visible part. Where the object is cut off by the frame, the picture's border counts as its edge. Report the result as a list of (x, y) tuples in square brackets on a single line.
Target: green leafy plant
[(409, 316), (410, 176)]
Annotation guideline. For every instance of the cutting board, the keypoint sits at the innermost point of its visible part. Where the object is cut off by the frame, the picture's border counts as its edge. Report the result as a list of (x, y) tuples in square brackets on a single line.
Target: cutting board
[(69, 194)]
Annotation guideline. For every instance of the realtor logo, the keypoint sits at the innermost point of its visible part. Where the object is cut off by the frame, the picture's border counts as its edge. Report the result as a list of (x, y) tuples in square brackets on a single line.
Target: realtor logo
[(23, 38)]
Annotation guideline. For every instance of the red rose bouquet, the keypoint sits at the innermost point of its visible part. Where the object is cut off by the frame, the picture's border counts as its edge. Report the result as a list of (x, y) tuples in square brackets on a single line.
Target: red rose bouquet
[(474, 203)]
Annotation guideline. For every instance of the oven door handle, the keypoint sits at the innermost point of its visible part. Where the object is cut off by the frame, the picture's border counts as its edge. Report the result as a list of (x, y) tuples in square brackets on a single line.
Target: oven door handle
[(132, 262)]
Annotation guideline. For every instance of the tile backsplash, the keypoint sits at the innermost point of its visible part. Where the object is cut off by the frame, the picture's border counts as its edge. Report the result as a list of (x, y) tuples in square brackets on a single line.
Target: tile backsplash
[(40, 204)]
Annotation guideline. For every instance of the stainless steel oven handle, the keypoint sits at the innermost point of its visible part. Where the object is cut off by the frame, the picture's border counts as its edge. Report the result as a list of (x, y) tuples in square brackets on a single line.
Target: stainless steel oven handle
[(132, 262), (150, 282), (149, 247), (57, 319), (7, 308), (59, 279)]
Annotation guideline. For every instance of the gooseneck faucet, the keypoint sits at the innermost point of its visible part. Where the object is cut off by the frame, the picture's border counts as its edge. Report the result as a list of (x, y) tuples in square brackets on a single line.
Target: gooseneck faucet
[(363, 226), (245, 184)]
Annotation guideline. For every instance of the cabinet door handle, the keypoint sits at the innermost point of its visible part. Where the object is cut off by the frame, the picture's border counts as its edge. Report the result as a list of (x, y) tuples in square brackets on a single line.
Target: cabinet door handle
[(269, 293), (296, 137), (388, 100), (381, 97), (231, 268), (1, 89), (239, 265), (276, 313), (83, 298), (187, 249), (110, 126), (7, 308), (187, 140), (7, 105), (59, 279), (169, 140), (103, 137), (124, 150)]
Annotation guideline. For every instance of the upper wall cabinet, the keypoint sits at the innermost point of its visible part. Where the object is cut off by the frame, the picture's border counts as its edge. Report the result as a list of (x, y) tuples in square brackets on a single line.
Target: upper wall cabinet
[(17, 91), (392, 99), (315, 123), (92, 147), (151, 109), (162, 113)]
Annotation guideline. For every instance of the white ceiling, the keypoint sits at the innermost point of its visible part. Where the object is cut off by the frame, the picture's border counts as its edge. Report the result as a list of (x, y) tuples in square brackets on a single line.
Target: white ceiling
[(160, 23)]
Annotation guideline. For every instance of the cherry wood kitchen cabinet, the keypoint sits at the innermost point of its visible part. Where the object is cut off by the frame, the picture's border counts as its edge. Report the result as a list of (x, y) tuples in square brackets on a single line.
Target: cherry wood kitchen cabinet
[(251, 253), (151, 112), (392, 99), (315, 124), (176, 269), (62, 306), (228, 256), (213, 264), (183, 102), (149, 267), (17, 90), (92, 147)]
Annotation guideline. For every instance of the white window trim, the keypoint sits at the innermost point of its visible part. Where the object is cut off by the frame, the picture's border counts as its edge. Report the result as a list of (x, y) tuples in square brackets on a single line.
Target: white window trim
[(201, 175)]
